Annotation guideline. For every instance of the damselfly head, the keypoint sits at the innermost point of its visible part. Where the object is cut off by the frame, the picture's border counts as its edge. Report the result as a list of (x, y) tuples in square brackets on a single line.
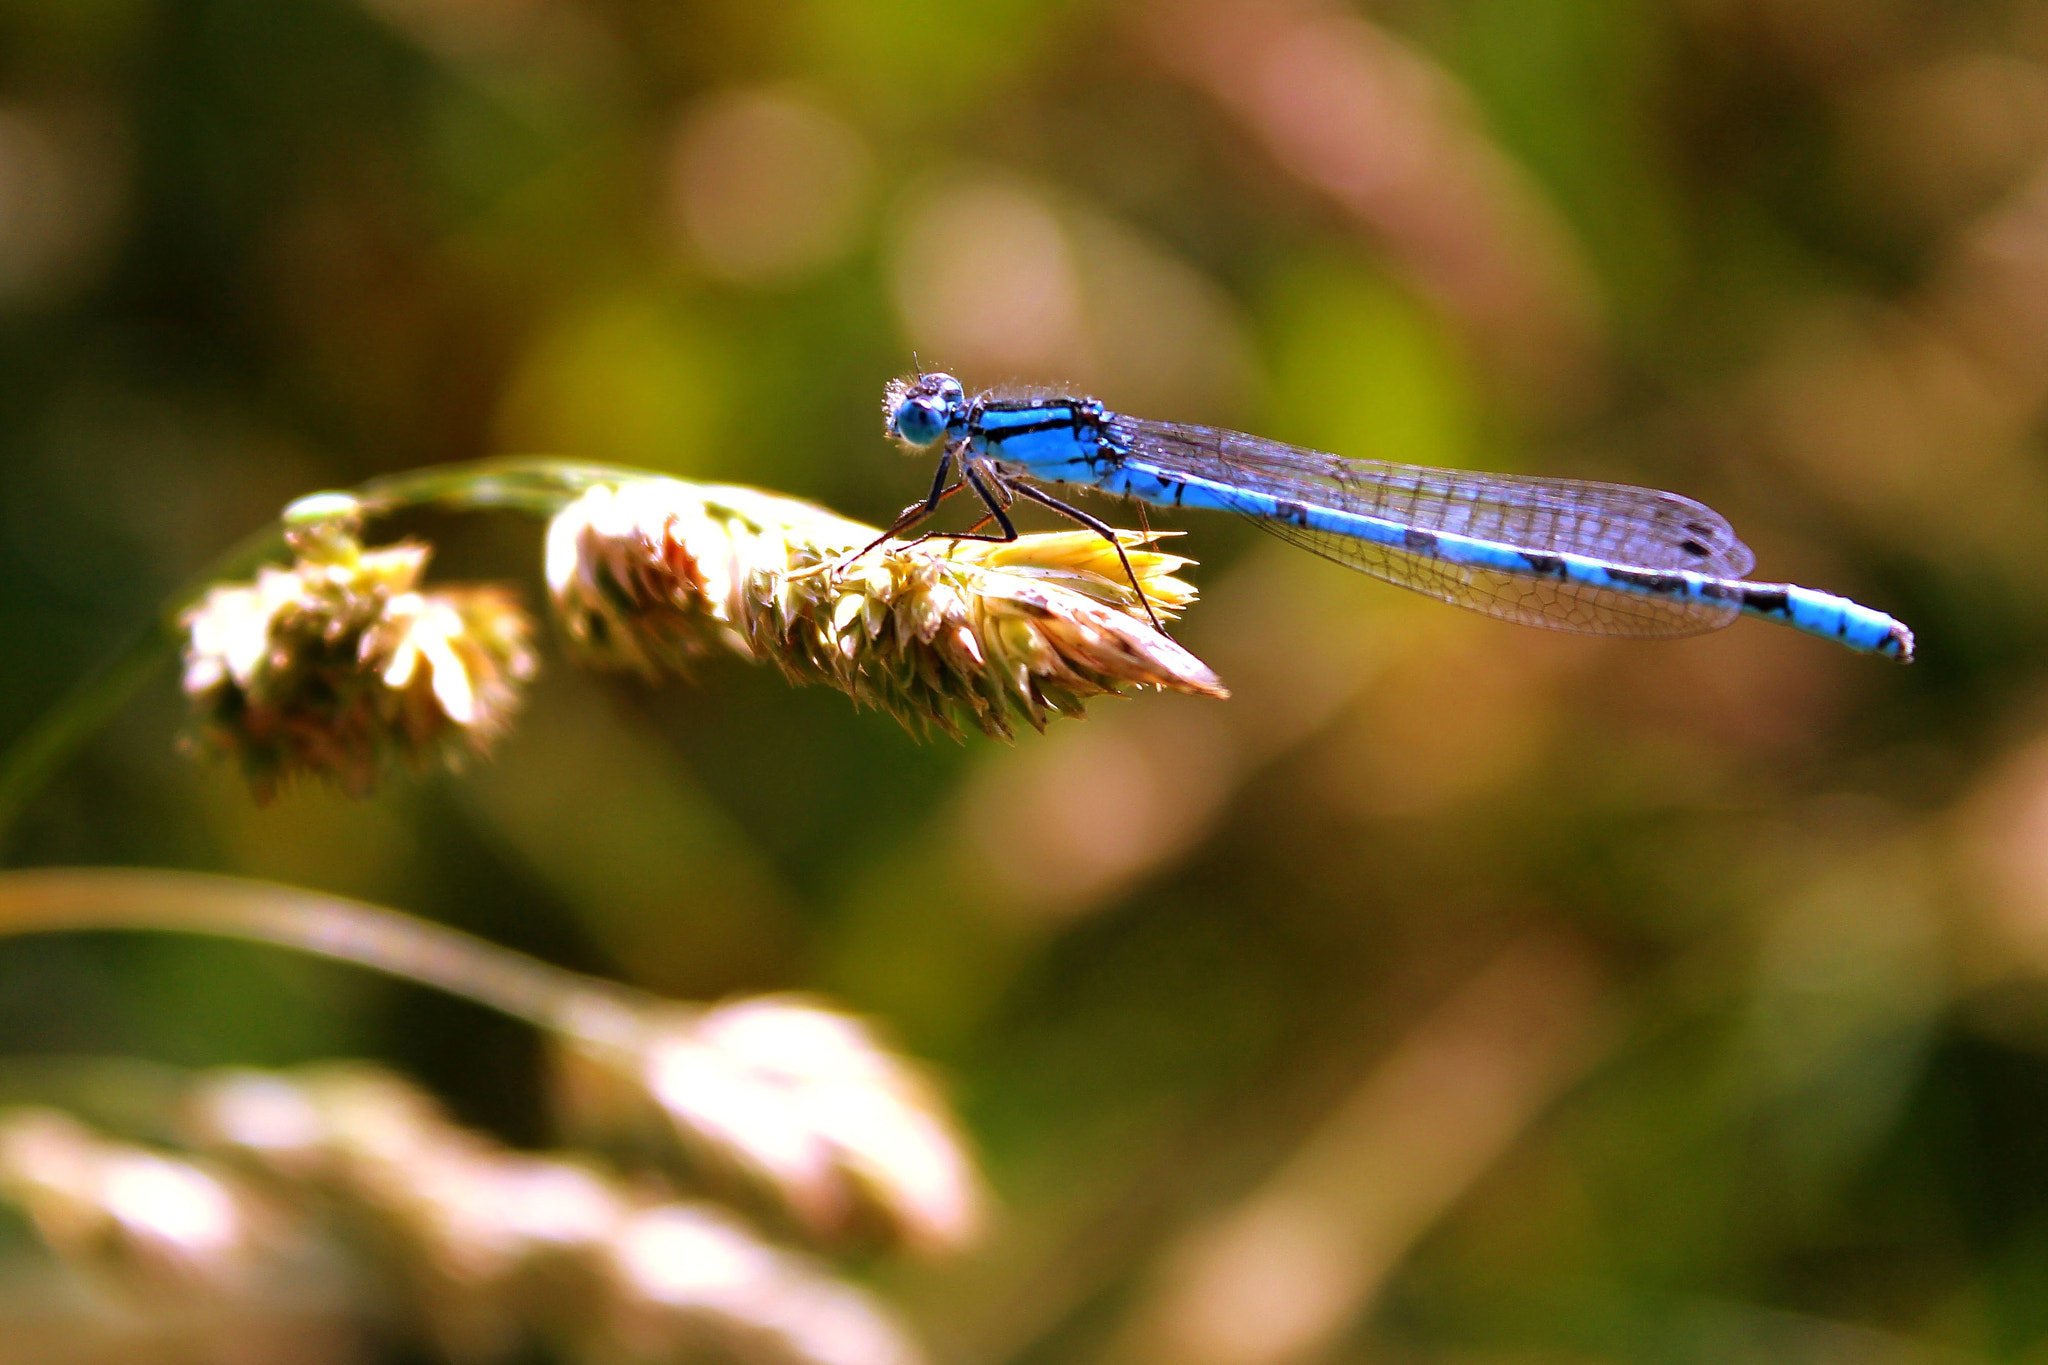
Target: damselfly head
[(918, 411)]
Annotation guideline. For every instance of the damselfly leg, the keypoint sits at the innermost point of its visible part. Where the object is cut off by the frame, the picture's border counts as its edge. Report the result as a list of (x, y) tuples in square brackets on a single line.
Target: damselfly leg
[(907, 518), (1101, 528), (997, 494), (998, 512)]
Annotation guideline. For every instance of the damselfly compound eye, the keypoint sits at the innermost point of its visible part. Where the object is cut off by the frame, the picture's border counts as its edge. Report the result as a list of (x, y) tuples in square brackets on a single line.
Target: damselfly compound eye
[(919, 421)]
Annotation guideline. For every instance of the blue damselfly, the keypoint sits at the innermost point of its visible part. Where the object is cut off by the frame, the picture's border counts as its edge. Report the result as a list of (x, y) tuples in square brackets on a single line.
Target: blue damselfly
[(1568, 554)]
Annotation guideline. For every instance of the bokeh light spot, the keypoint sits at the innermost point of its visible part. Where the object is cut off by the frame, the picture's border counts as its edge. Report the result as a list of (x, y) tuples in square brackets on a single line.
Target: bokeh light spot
[(766, 186)]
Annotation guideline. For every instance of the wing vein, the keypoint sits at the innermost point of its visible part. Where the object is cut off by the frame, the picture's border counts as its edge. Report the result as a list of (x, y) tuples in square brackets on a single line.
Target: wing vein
[(1638, 527)]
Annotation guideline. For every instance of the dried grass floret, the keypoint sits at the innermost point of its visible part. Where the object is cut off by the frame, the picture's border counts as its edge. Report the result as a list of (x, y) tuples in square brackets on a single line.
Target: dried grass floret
[(161, 1225), (651, 574), (486, 1252), (850, 1138), (496, 1250), (339, 665)]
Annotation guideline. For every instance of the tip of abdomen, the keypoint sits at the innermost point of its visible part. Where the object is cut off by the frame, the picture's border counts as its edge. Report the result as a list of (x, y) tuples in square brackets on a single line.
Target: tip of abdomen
[(1898, 644)]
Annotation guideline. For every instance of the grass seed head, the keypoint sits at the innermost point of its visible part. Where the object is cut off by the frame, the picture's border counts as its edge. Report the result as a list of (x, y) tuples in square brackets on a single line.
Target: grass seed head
[(848, 1138), (651, 574), (340, 663)]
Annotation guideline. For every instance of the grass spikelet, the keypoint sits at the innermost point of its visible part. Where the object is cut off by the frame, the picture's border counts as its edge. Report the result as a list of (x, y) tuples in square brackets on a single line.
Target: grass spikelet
[(651, 574), (847, 1137), (349, 1188), (340, 664), (137, 1220)]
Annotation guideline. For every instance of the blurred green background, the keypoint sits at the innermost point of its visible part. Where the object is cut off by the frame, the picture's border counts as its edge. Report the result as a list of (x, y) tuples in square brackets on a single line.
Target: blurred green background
[(1456, 992)]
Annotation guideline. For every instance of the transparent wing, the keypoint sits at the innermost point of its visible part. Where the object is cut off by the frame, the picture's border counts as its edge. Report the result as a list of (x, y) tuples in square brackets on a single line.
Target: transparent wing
[(1533, 601), (1638, 527)]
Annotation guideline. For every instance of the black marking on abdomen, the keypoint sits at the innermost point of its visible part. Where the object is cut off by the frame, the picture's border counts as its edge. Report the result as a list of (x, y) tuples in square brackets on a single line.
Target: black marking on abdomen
[(1291, 511), (1551, 566), (1423, 542), (1664, 584), (1769, 601)]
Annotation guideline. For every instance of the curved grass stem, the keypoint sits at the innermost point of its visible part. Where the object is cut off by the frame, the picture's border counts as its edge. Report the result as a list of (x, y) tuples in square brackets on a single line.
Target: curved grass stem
[(548, 997)]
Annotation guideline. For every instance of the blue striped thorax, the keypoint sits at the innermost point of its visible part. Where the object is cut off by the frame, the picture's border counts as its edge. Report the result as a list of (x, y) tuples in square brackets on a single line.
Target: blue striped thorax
[(1061, 440)]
